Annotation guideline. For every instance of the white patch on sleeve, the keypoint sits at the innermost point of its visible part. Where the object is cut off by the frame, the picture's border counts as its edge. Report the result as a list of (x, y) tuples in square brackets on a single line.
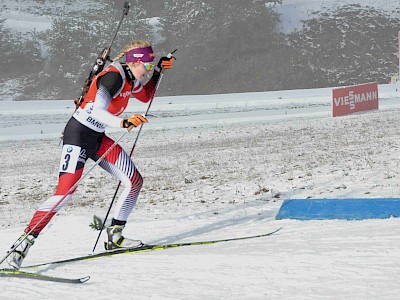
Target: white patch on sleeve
[(137, 87), (69, 158)]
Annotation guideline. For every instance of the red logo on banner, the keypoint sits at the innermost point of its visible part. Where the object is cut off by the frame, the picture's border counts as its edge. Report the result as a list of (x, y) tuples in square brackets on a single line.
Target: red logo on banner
[(355, 98)]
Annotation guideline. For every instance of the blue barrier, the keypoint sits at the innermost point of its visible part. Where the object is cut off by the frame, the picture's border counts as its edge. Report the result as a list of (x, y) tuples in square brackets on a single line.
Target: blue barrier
[(348, 209)]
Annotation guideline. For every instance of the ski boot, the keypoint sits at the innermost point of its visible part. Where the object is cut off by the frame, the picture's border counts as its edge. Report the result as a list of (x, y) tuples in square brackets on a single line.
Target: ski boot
[(19, 253), (117, 241)]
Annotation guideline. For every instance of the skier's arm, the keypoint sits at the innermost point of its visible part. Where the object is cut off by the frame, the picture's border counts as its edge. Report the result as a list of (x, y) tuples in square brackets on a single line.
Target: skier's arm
[(145, 92)]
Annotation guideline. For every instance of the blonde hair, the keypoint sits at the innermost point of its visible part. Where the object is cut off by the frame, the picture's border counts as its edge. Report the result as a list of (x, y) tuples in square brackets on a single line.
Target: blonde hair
[(130, 46)]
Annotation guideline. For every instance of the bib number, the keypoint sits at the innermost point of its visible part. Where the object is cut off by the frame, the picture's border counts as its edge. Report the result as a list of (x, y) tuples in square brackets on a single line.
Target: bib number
[(69, 158)]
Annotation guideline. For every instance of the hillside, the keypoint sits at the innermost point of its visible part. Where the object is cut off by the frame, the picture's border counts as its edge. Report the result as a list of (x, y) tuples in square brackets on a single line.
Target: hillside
[(50, 45), (294, 11)]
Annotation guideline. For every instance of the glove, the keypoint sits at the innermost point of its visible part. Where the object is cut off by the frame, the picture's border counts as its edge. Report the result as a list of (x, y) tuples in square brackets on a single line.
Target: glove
[(165, 62), (133, 121)]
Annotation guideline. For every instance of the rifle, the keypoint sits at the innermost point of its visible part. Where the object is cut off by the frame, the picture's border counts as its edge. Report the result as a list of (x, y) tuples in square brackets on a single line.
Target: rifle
[(101, 60)]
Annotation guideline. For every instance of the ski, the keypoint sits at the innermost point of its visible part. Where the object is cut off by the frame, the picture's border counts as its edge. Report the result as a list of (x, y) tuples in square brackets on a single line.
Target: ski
[(37, 276), (146, 248)]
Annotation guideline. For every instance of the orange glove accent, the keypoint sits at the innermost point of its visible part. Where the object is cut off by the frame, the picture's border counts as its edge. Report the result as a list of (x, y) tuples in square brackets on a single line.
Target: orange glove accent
[(133, 121), (166, 62)]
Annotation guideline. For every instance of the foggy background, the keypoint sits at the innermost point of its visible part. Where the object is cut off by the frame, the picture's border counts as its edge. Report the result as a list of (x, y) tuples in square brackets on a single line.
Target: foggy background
[(224, 46)]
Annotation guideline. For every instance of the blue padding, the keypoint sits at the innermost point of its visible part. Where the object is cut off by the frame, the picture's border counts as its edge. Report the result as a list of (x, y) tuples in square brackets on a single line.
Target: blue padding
[(348, 209)]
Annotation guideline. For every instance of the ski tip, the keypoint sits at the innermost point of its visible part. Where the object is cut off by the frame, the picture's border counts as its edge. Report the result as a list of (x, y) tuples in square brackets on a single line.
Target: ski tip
[(84, 279)]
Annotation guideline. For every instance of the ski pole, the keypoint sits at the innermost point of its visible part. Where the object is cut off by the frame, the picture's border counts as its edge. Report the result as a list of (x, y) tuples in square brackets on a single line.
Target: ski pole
[(130, 155), (99, 65), (16, 243)]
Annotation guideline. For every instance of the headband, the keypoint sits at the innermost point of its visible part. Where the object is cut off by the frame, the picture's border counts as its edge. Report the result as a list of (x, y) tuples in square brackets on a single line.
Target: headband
[(145, 54)]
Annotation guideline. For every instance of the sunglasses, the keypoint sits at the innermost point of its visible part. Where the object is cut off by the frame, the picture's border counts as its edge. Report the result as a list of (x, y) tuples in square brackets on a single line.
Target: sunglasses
[(148, 66)]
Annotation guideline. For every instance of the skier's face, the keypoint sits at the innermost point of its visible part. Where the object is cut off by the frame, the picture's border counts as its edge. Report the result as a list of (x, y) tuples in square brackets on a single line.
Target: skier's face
[(138, 70)]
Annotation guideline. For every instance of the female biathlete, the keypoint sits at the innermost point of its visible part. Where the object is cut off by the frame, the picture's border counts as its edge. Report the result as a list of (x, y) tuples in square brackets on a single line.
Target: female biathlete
[(84, 138)]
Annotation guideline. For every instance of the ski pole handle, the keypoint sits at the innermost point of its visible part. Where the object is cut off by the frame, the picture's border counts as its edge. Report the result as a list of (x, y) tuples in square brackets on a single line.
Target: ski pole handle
[(169, 55)]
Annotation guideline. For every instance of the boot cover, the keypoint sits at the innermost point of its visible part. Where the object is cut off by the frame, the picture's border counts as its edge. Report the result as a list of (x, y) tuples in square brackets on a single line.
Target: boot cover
[(21, 251), (116, 240)]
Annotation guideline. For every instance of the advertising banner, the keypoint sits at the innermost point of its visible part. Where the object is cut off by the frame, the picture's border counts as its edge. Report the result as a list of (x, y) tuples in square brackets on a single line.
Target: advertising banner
[(355, 98)]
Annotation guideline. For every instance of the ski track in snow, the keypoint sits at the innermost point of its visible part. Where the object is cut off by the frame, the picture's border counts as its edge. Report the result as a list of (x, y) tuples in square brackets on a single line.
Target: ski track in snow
[(215, 167)]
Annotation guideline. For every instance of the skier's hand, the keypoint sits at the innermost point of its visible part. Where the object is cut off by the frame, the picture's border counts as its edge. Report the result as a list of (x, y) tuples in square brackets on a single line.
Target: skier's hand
[(165, 62), (133, 121)]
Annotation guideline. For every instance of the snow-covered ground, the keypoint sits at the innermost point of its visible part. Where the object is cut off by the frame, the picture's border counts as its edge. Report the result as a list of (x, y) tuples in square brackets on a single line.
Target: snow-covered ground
[(215, 167), (31, 15), (38, 16), (294, 11)]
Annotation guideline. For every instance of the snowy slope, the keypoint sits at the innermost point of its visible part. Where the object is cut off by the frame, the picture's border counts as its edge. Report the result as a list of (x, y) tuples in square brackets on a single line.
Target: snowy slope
[(36, 15), (294, 11), (216, 166)]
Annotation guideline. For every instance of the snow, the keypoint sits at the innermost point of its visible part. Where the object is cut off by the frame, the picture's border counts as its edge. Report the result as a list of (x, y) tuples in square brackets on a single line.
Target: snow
[(294, 11), (25, 22), (214, 167), (154, 22), (37, 15)]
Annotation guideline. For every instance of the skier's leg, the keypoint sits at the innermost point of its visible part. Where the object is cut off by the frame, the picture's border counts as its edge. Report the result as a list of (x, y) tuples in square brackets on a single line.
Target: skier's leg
[(119, 164), (79, 143), (71, 169), (66, 181)]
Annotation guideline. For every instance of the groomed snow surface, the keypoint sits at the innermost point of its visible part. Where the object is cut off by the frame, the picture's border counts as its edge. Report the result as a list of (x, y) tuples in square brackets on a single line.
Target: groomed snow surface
[(214, 167)]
